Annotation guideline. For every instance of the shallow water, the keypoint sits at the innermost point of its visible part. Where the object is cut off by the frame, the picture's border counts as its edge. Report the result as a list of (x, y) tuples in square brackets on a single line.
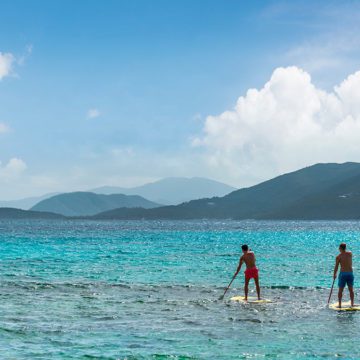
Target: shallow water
[(149, 290)]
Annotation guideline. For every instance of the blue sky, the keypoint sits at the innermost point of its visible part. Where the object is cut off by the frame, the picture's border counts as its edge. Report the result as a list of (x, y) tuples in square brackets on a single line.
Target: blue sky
[(119, 92)]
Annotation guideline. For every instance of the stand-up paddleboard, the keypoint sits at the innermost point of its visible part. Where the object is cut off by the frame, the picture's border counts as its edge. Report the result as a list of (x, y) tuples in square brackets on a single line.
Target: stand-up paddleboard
[(345, 306), (250, 300)]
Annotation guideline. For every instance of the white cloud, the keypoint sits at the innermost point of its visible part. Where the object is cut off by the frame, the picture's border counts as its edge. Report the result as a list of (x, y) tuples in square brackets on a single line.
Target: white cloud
[(6, 64), (8, 61), (12, 169), (93, 113), (4, 128), (288, 124)]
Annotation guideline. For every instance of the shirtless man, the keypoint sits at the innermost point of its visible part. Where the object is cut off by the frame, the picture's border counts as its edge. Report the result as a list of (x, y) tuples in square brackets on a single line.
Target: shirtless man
[(346, 276), (251, 271)]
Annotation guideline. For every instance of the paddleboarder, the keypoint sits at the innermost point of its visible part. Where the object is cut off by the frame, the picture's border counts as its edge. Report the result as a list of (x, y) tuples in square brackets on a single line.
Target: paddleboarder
[(346, 276), (251, 271)]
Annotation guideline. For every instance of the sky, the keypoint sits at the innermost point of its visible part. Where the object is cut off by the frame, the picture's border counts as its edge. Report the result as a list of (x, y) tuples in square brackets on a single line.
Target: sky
[(123, 92)]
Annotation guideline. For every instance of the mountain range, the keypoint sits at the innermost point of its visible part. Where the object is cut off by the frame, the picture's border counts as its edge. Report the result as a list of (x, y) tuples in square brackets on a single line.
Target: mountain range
[(173, 190), (318, 192), (168, 191), (321, 191)]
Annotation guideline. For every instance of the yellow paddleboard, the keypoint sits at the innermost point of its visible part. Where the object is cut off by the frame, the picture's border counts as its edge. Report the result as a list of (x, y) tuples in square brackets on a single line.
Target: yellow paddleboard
[(250, 300), (345, 306)]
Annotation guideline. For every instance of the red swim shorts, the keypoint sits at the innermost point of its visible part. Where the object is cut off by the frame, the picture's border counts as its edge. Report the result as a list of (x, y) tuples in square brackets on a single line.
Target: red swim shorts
[(252, 273)]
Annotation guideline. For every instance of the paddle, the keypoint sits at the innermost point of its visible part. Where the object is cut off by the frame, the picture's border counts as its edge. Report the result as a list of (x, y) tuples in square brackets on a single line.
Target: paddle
[(332, 287), (222, 296)]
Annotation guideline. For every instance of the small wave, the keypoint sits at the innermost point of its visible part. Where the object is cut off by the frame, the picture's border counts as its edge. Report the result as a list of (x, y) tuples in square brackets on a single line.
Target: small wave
[(192, 322), (172, 357), (21, 332), (257, 321), (289, 287), (88, 356)]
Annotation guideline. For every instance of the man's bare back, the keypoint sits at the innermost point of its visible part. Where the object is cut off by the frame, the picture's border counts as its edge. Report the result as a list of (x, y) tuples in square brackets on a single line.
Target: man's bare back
[(345, 261), (249, 259)]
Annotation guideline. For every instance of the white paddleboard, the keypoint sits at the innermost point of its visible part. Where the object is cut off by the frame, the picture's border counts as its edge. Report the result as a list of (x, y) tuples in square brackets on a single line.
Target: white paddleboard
[(345, 306), (250, 300)]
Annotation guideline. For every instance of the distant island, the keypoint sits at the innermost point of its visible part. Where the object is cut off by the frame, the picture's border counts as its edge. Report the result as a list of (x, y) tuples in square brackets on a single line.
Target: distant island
[(87, 203), (173, 190), (14, 214), (318, 192), (167, 191)]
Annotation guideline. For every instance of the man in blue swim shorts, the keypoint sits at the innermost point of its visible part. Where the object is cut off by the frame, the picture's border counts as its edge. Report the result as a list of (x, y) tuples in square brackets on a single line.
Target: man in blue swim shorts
[(346, 276)]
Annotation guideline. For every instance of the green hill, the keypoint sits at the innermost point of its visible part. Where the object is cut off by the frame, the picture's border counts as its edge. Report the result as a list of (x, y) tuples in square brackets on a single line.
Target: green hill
[(321, 191), (11, 213), (337, 203), (86, 203)]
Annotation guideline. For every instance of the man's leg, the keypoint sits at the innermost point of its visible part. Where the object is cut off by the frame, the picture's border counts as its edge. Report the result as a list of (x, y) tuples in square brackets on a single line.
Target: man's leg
[(257, 287), (351, 291), (246, 288), (340, 293)]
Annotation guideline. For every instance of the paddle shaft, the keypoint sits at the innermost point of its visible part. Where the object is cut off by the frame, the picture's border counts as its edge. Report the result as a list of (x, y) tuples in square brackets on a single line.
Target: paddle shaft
[(332, 287), (230, 284)]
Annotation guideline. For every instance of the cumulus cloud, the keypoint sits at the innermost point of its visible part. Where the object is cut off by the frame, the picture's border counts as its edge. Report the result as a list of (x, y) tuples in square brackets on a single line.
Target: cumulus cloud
[(4, 128), (6, 64), (12, 169), (93, 113), (288, 124)]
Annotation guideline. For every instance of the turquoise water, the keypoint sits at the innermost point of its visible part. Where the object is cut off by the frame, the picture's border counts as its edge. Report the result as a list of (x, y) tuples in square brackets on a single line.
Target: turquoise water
[(149, 290)]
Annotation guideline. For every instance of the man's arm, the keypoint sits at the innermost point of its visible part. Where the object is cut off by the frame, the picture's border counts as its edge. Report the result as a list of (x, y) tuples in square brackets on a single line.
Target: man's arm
[(337, 262), (239, 266)]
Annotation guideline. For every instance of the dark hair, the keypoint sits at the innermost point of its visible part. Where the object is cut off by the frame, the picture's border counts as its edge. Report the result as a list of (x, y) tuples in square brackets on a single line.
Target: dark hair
[(342, 246), (245, 247)]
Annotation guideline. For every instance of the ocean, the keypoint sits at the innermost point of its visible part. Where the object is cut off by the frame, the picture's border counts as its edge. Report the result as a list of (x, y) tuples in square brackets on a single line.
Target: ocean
[(150, 290)]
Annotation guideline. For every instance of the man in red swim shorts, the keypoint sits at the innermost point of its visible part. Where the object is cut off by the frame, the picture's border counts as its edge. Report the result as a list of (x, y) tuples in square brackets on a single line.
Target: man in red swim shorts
[(251, 271)]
